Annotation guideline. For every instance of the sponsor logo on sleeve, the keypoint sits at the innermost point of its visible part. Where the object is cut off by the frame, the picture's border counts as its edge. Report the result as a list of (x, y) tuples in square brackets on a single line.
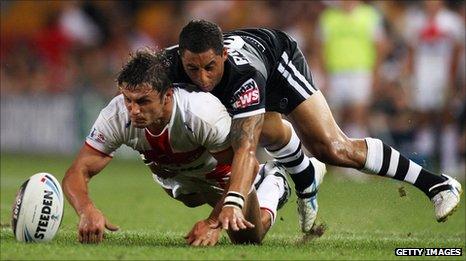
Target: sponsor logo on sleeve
[(246, 96), (97, 136)]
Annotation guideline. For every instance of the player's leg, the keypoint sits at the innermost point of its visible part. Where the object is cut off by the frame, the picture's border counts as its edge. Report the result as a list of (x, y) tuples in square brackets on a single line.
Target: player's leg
[(282, 143), (320, 134), (317, 129), (191, 200), (261, 207), (187, 193)]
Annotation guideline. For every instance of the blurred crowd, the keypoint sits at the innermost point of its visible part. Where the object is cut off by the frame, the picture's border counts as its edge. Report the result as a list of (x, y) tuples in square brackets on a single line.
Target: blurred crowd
[(389, 69)]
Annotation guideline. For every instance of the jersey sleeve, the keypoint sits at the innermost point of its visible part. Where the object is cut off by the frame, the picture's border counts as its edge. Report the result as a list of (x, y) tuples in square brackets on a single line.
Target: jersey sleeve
[(248, 99), (104, 136)]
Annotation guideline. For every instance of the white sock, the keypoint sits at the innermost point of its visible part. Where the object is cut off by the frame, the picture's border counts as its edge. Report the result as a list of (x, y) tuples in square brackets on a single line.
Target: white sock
[(384, 160), (291, 153), (268, 194), (298, 165)]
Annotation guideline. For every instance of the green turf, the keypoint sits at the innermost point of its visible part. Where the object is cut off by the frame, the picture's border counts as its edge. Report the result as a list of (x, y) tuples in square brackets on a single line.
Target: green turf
[(364, 220)]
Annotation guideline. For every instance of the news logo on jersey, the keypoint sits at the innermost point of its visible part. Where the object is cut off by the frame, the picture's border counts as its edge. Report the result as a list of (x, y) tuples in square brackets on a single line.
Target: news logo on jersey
[(246, 96)]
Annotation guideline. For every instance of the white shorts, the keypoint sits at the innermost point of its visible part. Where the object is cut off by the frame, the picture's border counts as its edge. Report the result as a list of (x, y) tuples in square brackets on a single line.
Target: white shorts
[(185, 185), (182, 185), (347, 88), (428, 96), (430, 83)]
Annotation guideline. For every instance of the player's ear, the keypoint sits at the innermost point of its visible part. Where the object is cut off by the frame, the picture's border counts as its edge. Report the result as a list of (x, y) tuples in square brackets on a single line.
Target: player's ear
[(168, 95), (224, 54)]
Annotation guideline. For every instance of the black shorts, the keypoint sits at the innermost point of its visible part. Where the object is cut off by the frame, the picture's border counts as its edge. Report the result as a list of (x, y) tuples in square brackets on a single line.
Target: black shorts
[(290, 81)]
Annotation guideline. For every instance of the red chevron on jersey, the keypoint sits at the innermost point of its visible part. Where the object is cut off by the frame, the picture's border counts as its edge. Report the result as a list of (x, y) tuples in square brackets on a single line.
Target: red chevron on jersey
[(220, 174), (162, 152)]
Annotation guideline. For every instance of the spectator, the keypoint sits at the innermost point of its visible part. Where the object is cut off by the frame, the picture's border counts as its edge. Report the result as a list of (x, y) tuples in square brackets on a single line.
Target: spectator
[(351, 44), (434, 35)]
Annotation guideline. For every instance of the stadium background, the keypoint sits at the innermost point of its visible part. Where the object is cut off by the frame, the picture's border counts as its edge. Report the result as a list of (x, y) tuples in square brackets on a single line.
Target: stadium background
[(59, 60)]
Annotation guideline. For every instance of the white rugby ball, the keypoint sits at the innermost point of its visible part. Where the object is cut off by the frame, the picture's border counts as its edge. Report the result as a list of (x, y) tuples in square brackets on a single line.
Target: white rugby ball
[(38, 209)]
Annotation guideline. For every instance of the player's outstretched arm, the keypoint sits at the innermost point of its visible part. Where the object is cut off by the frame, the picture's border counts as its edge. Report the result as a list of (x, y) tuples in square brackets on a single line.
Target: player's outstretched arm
[(206, 232), (245, 134), (92, 222)]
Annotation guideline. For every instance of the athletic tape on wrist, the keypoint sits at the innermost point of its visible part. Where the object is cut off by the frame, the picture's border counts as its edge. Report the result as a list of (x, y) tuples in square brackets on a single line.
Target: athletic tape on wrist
[(235, 194), (230, 204), (234, 199)]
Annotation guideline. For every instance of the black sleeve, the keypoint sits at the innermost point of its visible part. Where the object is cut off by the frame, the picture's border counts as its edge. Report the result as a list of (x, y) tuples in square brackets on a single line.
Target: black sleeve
[(248, 98)]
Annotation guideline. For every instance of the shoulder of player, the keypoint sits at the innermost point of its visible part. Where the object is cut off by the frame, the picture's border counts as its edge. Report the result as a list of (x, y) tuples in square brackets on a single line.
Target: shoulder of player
[(241, 76), (115, 110), (449, 19), (176, 71), (171, 53), (199, 106), (239, 71)]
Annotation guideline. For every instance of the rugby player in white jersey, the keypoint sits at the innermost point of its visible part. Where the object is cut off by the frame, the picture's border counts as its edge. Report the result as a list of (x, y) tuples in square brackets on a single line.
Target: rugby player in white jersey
[(183, 137)]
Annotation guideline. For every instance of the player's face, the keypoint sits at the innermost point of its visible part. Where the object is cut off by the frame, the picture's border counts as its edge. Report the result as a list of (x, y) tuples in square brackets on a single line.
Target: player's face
[(147, 108), (205, 69)]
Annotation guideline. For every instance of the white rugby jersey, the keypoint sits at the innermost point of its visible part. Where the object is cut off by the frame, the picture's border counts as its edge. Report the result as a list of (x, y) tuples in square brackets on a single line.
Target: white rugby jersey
[(199, 124)]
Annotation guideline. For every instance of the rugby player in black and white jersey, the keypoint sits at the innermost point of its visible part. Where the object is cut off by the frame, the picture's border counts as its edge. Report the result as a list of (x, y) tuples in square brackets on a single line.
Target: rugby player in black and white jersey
[(241, 86), (183, 137), (259, 74)]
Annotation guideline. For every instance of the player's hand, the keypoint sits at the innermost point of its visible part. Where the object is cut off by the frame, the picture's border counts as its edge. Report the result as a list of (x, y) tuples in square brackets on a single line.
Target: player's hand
[(202, 234), (92, 224), (232, 218)]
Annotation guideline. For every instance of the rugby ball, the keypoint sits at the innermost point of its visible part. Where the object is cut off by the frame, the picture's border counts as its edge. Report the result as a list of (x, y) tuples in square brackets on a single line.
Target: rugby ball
[(38, 209)]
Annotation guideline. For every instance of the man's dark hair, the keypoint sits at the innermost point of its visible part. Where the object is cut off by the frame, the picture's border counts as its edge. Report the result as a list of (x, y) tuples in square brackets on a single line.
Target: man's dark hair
[(146, 67), (199, 36)]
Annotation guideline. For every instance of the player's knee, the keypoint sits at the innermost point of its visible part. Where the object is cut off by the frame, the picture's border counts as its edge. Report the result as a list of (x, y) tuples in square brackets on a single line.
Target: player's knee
[(335, 152), (275, 132), (273, 138), (191, 200)]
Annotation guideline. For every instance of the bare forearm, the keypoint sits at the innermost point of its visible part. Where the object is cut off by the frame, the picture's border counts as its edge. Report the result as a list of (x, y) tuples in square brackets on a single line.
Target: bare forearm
[(76, 190), (242, 172), (87, 164), (217, 208), (245, 135)]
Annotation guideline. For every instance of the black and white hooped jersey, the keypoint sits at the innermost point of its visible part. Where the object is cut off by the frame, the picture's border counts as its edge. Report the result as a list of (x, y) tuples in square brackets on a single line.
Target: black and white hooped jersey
[(199, 125), (253, 58)]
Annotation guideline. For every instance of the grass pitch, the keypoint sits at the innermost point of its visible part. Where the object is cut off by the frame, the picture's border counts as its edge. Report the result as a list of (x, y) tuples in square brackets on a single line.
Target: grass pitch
[(364, 220)]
